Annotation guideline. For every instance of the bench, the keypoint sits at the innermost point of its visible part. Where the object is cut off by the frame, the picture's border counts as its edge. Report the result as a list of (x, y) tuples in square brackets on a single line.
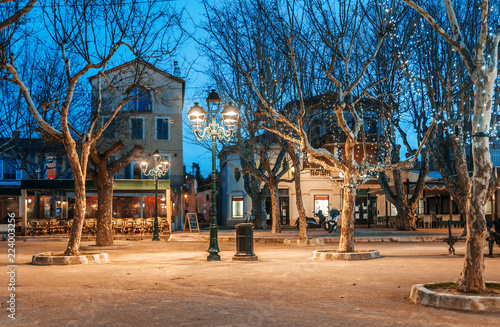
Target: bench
[(450, 239)]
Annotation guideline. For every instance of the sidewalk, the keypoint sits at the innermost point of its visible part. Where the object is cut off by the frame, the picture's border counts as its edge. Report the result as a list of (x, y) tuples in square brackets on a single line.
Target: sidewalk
[(288, 236), (320, 236)]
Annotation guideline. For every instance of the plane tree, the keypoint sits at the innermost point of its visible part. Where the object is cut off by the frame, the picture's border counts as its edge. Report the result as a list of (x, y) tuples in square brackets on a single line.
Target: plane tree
[(341, 41), (89, 36), (478, 50)]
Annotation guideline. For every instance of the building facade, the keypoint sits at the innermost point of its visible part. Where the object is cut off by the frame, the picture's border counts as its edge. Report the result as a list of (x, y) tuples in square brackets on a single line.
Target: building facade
[(152, 119)]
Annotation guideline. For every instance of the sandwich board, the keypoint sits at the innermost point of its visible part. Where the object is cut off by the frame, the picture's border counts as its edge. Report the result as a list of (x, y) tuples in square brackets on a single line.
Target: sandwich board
[(191, 222)]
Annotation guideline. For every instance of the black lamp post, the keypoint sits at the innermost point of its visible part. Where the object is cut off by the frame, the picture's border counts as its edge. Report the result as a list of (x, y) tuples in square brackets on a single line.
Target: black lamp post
[(205, 127), (160, 169)]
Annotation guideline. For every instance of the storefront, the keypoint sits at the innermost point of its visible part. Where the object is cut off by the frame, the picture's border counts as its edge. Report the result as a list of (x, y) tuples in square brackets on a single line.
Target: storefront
[(56, 199), (9, 201)]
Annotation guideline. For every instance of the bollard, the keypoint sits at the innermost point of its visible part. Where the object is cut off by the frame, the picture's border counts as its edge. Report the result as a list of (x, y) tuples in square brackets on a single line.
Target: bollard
[(244, 243)]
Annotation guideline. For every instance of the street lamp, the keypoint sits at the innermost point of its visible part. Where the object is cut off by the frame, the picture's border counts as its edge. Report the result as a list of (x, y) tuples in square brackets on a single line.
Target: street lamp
[(160, 169), (205, 127)]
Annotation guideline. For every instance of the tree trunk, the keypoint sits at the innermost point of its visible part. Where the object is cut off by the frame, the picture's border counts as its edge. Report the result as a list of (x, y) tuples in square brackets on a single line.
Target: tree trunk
[(463, 205), (75, 235), (275, 210), (406, 220), (346, 242), (459, 186), (104, 234), (103, 178), (295, 159), (259, 210), (300, 206), (472, 277)]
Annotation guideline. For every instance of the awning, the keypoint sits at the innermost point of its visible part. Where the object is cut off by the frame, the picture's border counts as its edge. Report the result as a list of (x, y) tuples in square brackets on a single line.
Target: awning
[(10, 191), (119, 185), (432, 187)]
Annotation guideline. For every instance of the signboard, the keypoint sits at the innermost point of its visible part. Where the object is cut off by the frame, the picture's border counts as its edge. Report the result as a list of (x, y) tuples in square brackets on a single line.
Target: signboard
[(191, 222), (361, 192)]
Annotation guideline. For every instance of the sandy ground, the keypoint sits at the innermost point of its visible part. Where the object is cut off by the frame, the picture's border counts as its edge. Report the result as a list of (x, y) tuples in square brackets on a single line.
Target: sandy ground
[(172, 284)]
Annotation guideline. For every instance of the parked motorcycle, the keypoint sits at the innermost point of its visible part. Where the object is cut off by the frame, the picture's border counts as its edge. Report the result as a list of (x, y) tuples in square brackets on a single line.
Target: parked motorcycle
[(329, 224), (311, 223), (332, 220)]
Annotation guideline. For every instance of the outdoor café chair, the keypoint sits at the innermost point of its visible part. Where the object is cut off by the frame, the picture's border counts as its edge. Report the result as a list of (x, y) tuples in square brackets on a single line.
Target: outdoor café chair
[(118, 225), (139, 225), (44, 226), (55, 226), (129, 226)]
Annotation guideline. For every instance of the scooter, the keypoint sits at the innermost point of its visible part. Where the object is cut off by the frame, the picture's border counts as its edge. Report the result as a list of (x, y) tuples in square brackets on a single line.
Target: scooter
[(329, 224), (311, 223), (332, 220)]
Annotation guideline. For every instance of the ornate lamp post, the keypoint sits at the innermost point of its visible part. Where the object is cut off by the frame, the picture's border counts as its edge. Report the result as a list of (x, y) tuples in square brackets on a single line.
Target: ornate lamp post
[(160, 169), (205, 127)]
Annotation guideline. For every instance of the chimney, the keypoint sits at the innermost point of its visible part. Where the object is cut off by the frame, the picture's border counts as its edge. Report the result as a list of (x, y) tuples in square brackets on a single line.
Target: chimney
[(177, 70)]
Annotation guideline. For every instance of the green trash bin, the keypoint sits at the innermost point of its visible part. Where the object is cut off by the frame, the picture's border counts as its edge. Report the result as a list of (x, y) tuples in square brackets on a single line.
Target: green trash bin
[(244, 243)]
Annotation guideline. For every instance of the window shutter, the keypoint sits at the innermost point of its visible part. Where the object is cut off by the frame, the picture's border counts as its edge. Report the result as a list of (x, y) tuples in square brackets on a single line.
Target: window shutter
[(127, 171), (1, 169), (142, 128), (19, 172)]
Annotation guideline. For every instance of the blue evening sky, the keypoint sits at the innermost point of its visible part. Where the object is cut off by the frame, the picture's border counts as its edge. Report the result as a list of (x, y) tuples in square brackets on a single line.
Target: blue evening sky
[(197, 85)]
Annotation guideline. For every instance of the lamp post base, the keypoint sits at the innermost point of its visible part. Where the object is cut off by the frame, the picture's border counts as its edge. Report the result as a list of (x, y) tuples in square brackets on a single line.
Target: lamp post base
[(213, 257), (156, 238), (213, 249)]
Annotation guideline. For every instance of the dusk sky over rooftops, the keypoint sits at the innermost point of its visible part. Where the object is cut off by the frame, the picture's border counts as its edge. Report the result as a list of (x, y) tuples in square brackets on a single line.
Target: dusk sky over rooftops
[(198, 85)]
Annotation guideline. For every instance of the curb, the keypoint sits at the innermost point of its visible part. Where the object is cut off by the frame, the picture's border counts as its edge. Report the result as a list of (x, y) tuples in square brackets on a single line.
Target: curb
[(405, 239), (276, 240), (101, 248), (52, 259), (421, 295), (329, 255)]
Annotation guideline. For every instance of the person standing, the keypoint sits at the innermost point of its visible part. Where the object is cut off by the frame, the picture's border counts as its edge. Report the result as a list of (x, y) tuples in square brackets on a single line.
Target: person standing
[(491, 238)]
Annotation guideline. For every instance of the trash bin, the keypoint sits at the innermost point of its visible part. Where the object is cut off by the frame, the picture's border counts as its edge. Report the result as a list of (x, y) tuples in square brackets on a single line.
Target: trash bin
[(244, 243)]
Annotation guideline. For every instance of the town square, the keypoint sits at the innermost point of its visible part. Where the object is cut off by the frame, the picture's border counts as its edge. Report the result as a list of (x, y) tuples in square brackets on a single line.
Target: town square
[(249, 163)]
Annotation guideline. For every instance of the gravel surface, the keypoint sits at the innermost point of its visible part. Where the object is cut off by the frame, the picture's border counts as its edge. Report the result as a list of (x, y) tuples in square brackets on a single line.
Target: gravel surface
[(171, 284)]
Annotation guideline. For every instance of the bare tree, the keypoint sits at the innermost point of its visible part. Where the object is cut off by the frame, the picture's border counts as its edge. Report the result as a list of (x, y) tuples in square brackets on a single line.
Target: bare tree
[(89, 36), (480, 57), (342, 42), (254, 52), (436, 78), (404, 202), (103, 176), (406, 111), (295, 160), (29, 146), (269, 168), (13, 12)]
